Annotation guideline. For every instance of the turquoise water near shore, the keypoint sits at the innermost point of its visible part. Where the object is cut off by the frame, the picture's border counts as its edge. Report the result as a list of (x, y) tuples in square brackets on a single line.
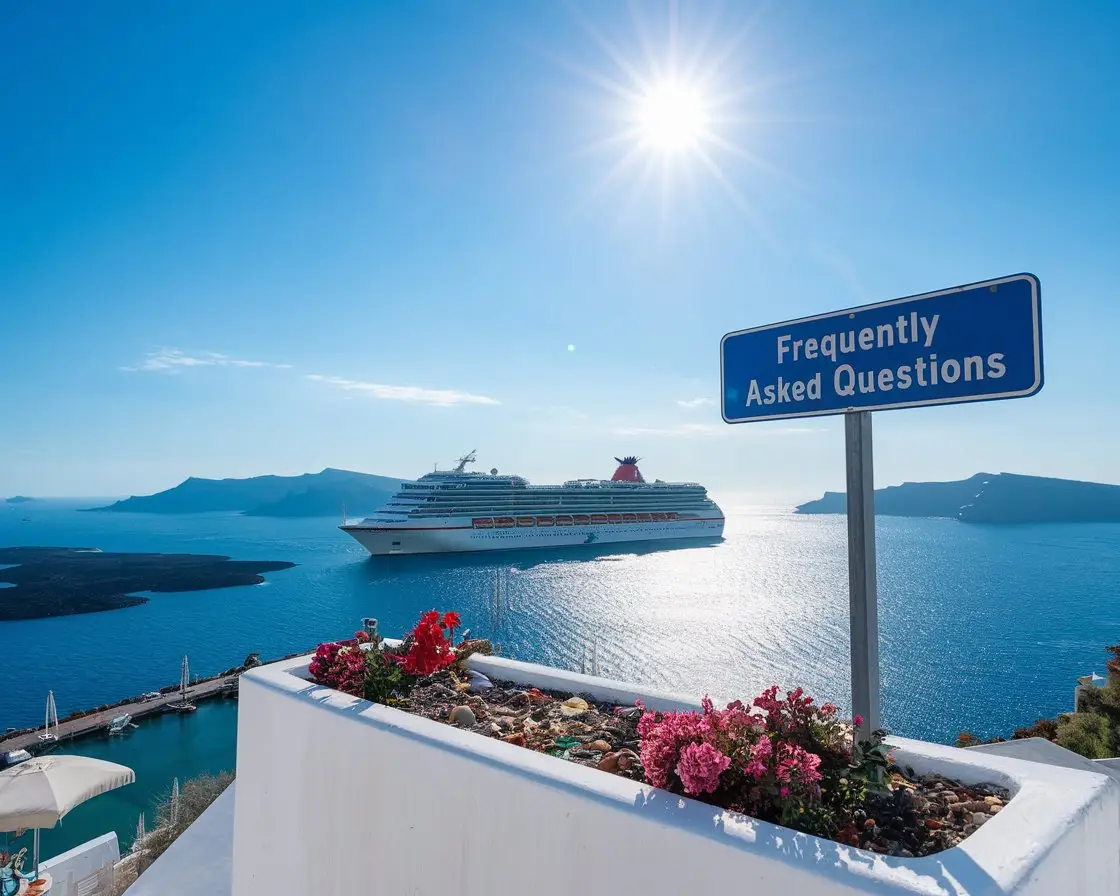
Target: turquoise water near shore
[(162, 748), (983, 628)]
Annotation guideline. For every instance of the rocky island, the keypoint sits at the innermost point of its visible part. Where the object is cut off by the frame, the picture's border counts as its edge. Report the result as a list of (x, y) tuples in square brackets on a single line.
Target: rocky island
[(991, 498), (54, 581), (312, 494), (18, 499)]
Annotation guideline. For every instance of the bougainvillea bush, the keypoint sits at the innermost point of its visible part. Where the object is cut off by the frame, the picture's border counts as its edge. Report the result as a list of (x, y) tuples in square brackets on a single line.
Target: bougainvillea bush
[(384, 674), (785, 760)]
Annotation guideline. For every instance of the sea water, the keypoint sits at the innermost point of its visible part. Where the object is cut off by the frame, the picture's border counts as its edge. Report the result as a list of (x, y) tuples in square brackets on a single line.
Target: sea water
[(983, 628)]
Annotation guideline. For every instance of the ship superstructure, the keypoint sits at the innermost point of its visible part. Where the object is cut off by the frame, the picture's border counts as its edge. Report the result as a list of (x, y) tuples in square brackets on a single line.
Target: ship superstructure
[(461, 510)]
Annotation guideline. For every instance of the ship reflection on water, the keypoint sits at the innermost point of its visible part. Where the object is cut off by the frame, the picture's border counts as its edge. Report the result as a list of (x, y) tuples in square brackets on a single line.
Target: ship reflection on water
[(392, 567)]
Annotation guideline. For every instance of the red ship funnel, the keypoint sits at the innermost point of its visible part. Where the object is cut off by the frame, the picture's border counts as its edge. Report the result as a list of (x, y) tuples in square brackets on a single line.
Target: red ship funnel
[(627, 470)]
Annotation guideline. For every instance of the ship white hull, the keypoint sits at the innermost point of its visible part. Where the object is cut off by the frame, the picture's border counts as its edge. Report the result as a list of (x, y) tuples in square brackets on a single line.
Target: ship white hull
[(438, 540)]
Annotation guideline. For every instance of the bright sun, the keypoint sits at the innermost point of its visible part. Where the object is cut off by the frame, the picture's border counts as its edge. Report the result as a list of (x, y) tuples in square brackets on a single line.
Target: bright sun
[(672, 117)]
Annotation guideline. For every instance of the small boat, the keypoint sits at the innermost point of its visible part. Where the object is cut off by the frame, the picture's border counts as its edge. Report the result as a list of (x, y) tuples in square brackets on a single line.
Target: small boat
[(581, 519), (614, 517), (504, 522), (563, 520), (629, 518), (545, 521), (598, 519), (525, 522), (121, 724), (14, 757), (645, 517), (483, 522)]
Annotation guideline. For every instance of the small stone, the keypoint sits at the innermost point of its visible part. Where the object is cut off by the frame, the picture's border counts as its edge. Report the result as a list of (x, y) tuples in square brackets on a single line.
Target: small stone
[(950, 797), (495, 728), (478, 682), (536, 696), (518, 699), (978, 818), (969, 829), (517, 739), (993, 801), (933, 824), (631, 713), (995, 809), (975, 806), (609, 763), (573, 707), (600, 746), (463, 716), (626, 760), (905, 854), (869, 824)]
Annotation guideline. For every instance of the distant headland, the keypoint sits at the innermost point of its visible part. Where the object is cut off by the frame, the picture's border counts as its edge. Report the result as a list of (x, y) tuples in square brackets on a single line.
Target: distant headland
[(18, 499), (312, 494), (52, 581), (990, 498)]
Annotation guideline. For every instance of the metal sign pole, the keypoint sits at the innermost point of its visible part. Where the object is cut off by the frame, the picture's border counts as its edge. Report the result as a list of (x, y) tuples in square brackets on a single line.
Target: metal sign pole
[(863, 602)]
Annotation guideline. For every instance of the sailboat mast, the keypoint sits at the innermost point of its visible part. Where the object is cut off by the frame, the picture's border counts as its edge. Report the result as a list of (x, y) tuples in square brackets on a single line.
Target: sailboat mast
[(51, 719)]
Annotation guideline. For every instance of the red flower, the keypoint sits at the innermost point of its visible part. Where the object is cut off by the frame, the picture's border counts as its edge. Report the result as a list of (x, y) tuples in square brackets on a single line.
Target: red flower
[(430, 649)]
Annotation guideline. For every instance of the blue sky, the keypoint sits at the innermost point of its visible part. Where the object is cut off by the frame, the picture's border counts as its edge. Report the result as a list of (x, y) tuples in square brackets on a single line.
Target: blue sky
[(273, 237)]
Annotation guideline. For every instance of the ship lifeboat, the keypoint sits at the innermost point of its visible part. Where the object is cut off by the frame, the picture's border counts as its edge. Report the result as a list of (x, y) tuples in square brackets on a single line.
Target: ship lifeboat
[(581, 520), (614, 517), (504, 522), (525, 522), (629, 517), (660, 516), (545, 521), (673, 515), (563, 521), (598, 519), (645, 517), (484, 522)]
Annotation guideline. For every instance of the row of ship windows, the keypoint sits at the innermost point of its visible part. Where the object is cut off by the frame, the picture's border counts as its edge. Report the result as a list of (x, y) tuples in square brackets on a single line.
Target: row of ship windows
[(492, 487), (537, 501), (461, 511), (577, 519)]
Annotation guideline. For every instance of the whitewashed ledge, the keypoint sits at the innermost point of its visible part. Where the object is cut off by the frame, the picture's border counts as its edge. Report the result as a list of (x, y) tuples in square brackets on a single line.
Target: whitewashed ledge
[(198, 862), (335, 793)]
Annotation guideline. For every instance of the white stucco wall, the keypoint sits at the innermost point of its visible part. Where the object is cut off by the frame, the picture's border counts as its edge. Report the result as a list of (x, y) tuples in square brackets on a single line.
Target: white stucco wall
[(336, 795), (85, 870)]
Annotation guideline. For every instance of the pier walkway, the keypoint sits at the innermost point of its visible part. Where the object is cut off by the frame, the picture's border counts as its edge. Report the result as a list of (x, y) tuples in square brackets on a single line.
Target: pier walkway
[(138, 709)]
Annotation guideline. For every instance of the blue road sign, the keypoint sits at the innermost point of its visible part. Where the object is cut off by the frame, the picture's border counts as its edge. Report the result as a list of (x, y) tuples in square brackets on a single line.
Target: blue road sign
[(978, 342)]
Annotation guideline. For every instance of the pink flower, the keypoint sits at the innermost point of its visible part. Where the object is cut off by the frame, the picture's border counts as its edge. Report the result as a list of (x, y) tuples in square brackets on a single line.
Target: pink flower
[(699, 768), (858, 720), (784, 791)]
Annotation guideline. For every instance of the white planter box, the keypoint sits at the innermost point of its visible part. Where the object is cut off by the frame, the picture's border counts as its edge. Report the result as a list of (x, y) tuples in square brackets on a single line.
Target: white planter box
[(336, 795)]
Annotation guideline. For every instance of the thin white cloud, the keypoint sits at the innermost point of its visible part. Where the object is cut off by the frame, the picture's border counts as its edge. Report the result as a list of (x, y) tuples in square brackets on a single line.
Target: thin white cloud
[(172, 360), (694, 402), (413, 394)]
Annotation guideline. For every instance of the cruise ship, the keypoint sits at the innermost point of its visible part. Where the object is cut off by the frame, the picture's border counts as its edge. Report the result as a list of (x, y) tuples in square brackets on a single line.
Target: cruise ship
[(461, 510)]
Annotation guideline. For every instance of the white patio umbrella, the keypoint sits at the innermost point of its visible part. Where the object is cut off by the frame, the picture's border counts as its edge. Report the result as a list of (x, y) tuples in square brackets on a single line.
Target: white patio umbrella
[(37, 793)]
